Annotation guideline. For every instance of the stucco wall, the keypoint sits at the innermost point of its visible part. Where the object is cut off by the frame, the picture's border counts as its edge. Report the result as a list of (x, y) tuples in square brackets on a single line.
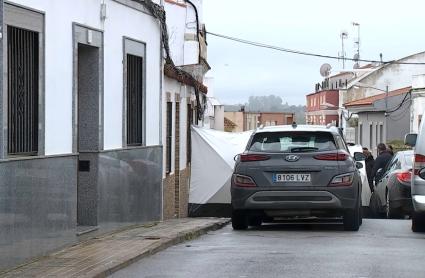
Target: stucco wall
[(121, 21)]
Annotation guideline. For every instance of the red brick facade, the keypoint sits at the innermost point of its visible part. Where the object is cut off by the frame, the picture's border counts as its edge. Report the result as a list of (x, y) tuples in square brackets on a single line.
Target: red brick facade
[(322, 107)]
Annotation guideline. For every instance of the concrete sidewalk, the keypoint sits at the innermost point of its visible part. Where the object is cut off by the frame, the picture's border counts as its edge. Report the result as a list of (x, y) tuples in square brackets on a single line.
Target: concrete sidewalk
[(104, 255)]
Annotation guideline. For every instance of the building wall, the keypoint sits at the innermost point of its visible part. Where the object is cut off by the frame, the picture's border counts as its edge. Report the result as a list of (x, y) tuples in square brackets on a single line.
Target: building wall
[(369, 121), (237, 118), (219, 117), (38, 204), (174, 196), (394, 76), (381, 129), (58, 86), (418, 102), (316, 100), (276, 118)]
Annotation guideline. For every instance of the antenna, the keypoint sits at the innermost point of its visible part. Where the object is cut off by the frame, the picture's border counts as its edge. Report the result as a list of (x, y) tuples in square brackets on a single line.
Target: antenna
[(343, 36), (325, 70), (357, 45)]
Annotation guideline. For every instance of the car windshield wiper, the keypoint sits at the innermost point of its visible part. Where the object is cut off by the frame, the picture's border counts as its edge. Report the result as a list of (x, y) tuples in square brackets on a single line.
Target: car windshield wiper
[(303, 149)]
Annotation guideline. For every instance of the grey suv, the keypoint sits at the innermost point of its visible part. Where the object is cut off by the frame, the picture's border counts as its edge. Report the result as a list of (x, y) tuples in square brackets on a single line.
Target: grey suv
[(296, 171)]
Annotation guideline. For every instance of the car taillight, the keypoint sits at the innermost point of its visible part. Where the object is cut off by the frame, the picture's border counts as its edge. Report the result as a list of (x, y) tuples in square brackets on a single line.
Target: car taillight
[(334, 156), (243, 181), (419, 163), (253, 157), (404, 177), (342, 180)]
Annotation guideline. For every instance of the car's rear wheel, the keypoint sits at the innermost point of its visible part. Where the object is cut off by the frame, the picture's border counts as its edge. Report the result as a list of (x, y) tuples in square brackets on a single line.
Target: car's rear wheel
[(375, 206), (392, 213), (418, 222), (352, 218), (239, 220)]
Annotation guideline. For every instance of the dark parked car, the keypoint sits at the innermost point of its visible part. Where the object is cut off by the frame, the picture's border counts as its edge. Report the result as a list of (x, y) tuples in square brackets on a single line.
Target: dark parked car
[(301, 171), (392, 192)]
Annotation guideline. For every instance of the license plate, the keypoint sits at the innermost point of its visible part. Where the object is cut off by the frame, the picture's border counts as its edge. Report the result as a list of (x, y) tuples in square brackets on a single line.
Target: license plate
[(291, 178)]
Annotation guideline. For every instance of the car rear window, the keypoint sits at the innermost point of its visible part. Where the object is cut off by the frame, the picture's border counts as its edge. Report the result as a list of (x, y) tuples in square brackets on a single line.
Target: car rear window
[(292, 142)]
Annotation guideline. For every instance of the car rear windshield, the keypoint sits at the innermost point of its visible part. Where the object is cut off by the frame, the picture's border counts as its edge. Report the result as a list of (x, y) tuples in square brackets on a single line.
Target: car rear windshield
[(292, 142)]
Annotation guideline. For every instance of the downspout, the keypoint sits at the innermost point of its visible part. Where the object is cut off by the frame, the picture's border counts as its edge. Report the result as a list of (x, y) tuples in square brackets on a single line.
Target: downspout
[(197, 29), (3, 115), (161, 80)]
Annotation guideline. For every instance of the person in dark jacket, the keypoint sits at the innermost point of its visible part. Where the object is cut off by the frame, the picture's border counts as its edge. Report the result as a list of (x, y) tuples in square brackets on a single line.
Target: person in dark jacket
[(369, 161), (384, 156), (390, 149)]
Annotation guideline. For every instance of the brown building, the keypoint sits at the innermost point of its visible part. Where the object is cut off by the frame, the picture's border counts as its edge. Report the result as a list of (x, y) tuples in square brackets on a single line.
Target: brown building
[(322, 108), (243, 121)]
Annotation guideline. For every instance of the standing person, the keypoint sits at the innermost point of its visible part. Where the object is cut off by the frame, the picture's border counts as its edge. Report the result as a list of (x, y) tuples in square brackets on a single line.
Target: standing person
[(384, 156), (369, 161), (390, 149)]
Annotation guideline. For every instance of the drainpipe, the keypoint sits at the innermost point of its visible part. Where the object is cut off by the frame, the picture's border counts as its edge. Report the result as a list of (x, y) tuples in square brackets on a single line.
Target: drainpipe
[(2, 104), (197, 29), (161, 80)]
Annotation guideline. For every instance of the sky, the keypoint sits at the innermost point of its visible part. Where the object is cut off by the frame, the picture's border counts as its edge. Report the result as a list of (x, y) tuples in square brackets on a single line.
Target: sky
[(393, 28)]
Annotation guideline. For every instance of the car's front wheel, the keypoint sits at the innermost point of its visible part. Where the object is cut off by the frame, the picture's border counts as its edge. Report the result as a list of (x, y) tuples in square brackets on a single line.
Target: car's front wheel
[(352, 218), (418, 222), (239, 220)]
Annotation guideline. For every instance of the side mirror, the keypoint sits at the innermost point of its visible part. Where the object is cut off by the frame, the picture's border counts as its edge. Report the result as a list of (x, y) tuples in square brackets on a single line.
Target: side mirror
[(359, 165), (358, 156), (410, 139), (236, 157), (422, 173)]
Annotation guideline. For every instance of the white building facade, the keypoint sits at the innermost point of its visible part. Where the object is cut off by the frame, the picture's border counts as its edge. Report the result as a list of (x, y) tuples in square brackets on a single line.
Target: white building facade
[(81, 116), (184, 100)]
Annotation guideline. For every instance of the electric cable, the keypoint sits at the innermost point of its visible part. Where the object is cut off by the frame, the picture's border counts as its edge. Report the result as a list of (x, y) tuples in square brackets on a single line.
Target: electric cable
[(282, 49)]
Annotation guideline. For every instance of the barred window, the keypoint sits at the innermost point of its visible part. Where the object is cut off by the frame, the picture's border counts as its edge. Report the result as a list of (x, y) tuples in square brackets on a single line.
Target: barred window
[(23, 90), (169, 136), (134, 100)]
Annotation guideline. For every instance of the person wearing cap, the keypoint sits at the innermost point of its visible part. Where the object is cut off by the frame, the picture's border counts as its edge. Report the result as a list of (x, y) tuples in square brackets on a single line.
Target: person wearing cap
[(369, 161), (384, 156)]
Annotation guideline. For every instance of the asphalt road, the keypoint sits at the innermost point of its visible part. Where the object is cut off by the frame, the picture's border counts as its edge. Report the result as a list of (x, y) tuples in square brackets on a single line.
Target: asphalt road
[(382, 248)]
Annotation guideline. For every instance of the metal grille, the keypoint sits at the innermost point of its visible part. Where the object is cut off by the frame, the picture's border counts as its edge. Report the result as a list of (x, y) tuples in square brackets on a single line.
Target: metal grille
[(169, 136), (23, 80), (188, 134), (134, 100)]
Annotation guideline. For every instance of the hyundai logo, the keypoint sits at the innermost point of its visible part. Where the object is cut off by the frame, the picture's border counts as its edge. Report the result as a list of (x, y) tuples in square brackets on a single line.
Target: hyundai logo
[(292, 158)]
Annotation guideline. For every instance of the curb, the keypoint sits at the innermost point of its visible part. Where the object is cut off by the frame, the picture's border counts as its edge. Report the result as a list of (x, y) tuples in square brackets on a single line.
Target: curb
[(163, 244)]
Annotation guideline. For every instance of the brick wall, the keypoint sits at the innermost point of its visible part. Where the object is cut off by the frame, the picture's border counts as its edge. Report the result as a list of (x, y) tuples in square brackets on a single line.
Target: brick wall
[(169, 197), (184, 191)]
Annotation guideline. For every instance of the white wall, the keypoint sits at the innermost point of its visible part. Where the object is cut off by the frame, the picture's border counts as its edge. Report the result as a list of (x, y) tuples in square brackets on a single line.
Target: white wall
[(121, 21), (181, 20), (186, 95)]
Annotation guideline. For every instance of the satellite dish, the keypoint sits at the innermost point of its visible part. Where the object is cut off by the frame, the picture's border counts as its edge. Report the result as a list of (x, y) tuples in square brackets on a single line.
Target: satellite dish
[(356, 66), (356, 57), (325, 69)]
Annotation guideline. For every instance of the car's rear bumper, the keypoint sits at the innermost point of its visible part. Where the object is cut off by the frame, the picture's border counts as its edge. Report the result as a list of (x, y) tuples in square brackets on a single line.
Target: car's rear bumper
[(418, 206), (401, 197), (323, 198)]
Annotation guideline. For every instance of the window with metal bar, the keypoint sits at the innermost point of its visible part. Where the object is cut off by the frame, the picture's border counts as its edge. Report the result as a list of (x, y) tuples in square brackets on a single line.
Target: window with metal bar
[(169, 135), (22, 91), (188, 134), (135, 100)]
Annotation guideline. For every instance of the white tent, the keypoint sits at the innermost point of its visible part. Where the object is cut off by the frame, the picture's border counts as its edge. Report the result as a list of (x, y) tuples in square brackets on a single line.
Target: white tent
[(212, 167)]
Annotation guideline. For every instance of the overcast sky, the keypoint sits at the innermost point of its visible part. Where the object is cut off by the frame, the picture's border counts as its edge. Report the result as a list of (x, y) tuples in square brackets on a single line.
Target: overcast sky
[(393, 28)]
